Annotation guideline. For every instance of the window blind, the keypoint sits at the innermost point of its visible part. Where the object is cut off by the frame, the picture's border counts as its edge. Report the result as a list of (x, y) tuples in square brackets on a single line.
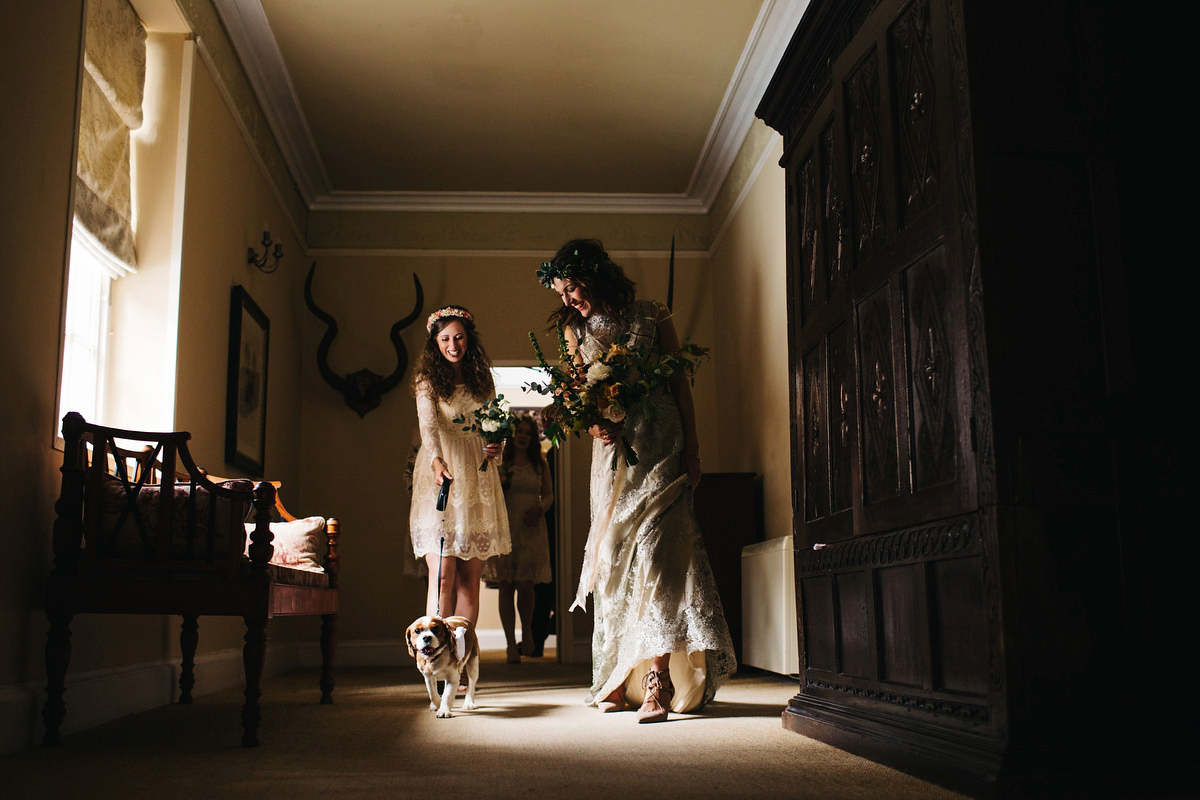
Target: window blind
[(110, 107)]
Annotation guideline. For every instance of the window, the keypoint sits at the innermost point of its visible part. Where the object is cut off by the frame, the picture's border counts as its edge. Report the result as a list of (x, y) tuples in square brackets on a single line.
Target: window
[(102, 247), (85, 335)]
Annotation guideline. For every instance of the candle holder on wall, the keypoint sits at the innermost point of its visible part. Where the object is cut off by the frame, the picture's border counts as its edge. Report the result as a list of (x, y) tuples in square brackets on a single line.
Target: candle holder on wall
[(252, 256)]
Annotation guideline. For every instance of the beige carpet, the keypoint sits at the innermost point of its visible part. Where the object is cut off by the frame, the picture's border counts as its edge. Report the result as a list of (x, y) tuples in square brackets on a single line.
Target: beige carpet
[(531, 737)]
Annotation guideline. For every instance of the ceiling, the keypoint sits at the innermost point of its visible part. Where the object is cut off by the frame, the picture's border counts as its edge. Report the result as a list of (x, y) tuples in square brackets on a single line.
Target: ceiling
[(519, 104)]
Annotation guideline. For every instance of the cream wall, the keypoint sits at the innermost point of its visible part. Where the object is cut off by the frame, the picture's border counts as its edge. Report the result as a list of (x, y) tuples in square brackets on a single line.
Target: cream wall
[(751, 353), (38, 76)]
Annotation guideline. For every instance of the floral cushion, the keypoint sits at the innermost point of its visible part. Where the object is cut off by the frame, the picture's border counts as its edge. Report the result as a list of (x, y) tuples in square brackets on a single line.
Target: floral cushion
[(297, 544)]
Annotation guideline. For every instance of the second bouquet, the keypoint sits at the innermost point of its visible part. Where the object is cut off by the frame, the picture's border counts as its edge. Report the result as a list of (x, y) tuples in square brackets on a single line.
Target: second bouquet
[(492, 421)]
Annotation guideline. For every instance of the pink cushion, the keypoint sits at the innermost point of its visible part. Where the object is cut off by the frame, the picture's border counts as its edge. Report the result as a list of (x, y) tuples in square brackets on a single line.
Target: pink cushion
[(297, 544)]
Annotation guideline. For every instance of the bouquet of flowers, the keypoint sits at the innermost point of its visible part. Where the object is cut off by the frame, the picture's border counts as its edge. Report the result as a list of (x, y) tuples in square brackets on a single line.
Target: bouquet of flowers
[(491, 421), (607, 389)]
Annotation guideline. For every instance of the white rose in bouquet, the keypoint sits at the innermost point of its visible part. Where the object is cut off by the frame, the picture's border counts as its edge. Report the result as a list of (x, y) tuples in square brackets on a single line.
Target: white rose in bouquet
[(597, 372)]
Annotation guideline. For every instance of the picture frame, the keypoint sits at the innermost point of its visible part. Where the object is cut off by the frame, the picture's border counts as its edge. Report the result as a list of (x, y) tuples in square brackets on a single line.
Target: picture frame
[(246, 386)]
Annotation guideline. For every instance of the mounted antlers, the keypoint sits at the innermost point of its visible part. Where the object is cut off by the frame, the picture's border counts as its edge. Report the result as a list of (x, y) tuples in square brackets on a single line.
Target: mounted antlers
[(364, 389)]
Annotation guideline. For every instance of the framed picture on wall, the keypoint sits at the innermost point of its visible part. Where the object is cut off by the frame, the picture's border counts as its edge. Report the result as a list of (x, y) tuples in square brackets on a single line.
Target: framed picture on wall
[(246, 391)]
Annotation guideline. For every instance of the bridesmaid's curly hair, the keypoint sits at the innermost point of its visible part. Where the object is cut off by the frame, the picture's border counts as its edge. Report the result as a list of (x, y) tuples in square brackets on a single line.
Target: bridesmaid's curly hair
[(433, 369)]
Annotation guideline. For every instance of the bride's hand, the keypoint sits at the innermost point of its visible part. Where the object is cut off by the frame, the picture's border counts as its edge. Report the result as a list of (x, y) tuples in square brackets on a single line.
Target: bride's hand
[(491, 451), (606, 432)]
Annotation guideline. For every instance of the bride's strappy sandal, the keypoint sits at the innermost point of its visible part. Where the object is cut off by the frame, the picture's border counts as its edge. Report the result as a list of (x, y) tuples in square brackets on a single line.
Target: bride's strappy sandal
[(659, 693)]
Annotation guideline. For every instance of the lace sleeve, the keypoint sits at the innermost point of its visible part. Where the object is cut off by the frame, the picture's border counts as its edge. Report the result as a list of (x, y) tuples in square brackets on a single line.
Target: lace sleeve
[(427, 421)]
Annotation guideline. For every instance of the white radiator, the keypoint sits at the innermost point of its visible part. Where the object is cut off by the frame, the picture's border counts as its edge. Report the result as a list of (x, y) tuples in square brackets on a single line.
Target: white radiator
[(769, 606)]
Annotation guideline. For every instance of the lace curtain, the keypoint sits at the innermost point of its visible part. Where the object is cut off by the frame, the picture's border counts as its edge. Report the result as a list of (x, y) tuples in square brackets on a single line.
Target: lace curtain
[(111, 107)]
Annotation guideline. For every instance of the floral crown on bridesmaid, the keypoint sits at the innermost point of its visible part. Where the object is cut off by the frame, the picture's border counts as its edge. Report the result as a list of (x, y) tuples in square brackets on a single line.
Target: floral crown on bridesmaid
[(572, 266), (448, 311)]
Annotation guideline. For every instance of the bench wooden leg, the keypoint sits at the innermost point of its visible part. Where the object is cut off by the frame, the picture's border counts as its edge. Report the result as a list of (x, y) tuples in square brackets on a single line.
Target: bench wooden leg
[(189, 637), (254, 657), (58, 656), (328, 648)]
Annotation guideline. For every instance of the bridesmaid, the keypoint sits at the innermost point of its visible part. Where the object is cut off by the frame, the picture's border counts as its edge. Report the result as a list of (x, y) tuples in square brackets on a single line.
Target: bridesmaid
[(452, 377)]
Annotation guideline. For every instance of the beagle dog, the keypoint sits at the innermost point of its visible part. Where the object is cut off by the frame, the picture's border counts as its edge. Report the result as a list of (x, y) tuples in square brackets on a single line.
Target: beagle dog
[(445, 649)]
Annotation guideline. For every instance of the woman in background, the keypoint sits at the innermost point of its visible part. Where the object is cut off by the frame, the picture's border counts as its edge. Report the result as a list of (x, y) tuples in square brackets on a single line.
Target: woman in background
[(528, 494)]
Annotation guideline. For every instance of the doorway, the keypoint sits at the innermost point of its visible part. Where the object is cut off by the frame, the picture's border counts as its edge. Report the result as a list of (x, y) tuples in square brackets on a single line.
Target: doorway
[(511, 378)]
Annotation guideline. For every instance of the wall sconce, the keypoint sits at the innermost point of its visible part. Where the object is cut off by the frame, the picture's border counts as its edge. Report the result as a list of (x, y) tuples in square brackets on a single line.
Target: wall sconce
[(252, 256)]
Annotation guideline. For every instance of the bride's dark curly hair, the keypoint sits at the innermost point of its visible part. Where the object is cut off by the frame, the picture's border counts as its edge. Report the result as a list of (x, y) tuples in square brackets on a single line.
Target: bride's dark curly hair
[(584, 262), (433, 369)]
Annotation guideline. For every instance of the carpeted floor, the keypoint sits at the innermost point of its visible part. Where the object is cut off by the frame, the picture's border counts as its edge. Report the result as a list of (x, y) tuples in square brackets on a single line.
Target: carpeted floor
[(531, 737)]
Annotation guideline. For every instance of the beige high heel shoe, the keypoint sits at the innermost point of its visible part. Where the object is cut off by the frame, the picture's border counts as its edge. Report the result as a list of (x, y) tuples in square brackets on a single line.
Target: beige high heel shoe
[(615, 701), (659, 693)]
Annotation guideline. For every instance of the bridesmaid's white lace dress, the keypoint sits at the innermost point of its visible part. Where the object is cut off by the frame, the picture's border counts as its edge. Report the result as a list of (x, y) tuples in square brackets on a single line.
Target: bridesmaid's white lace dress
[(475, 522)]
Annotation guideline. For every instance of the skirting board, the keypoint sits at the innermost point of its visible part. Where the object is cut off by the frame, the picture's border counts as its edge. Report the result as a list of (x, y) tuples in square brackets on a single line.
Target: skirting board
[(97, 697)]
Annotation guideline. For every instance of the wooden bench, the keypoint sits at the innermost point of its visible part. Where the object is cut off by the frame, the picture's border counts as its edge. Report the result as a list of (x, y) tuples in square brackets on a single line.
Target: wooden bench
[(140, 529)]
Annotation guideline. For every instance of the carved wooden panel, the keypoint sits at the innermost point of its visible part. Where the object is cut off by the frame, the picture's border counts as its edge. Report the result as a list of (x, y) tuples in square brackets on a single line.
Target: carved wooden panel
[(931, 370), (808, 212), (835, 223), (864, 136), (877, 404), (816, 459), (913, 109), (839, 350)]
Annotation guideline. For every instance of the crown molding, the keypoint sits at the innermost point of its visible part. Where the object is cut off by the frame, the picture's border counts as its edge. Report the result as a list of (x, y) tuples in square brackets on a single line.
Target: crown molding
[(254, 43), (250, 32), (510, 202)]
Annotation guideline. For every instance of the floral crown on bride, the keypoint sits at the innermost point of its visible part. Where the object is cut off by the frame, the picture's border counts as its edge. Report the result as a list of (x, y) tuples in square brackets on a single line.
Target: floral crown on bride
[(448, 311), (572, 266)]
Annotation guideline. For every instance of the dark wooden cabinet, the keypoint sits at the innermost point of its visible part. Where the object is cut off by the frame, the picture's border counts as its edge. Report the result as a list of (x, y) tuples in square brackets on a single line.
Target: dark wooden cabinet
[(960, 385)]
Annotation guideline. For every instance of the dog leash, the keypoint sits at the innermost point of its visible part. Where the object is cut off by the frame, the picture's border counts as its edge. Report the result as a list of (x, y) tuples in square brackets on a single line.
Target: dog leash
[(441, 548)]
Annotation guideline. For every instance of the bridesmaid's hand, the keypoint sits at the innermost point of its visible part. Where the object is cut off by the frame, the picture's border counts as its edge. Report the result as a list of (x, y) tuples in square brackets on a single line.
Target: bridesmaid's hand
[(691, 465), (491, 451), (533, 514)]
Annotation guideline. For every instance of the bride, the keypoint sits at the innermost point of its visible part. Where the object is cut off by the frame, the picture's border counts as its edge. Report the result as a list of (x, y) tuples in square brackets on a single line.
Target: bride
[(660, 641)]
